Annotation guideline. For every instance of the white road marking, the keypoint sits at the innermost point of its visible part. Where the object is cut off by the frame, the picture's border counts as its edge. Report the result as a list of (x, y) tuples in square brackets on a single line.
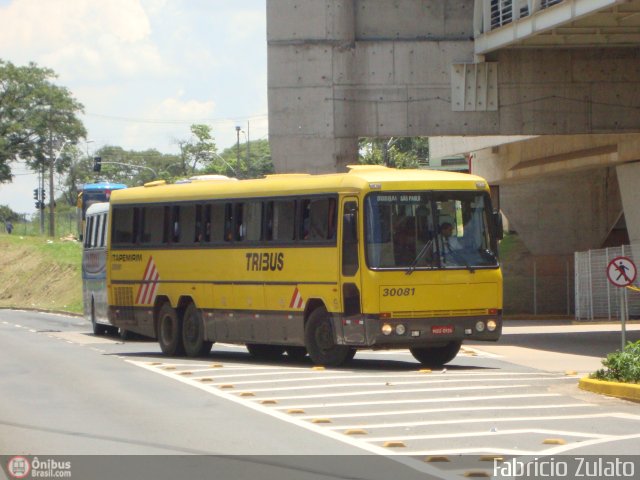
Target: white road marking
[(486, 433), (565, 448), (381, 383), (382, 376), (471, 420), (393, 391), (419, 466), (474, 408), (422, 400)]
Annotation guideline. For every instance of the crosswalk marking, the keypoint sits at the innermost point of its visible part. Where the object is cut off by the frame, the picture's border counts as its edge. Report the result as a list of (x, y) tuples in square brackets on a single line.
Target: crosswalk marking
[(423, 400), (475, 408)]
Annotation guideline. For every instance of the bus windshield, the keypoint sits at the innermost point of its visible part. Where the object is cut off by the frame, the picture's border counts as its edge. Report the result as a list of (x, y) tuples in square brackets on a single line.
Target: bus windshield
[(436, 229)]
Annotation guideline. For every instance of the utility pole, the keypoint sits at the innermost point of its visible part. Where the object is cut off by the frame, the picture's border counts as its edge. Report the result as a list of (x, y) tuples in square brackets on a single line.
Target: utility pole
[(238, 145), (248, 146), (52, 218), (41, 186)]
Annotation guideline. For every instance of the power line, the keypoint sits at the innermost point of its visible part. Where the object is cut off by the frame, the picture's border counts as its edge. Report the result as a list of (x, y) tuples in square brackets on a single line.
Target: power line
[(156, 121)]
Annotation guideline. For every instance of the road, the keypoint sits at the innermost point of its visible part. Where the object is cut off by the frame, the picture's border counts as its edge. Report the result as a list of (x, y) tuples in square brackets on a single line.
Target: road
[(67, 392)]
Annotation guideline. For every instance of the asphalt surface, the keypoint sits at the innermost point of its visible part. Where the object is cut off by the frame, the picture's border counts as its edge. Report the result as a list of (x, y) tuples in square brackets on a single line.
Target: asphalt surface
[(67, 392)]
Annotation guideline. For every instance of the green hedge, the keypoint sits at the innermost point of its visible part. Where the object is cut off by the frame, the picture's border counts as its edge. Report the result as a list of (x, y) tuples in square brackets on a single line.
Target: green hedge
[(621, 366)]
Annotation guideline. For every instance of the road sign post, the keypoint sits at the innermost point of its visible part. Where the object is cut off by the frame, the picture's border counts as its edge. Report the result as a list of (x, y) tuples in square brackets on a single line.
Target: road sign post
[(622, 272)]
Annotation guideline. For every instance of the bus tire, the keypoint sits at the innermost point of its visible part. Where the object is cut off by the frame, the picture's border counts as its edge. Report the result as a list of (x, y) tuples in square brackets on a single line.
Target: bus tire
[(193, 333), (296, 353), (265, 352), (170, 331), (319, 339), (436, 356), (98, 329)]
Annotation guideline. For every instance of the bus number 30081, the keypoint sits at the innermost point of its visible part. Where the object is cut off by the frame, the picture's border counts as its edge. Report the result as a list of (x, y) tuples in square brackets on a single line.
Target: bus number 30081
[(398, 292)]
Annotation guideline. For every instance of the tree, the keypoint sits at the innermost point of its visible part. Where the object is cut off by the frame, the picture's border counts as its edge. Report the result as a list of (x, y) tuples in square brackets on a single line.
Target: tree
[(398, 152), (37, 118), (199, 150), (255, 161), (8, 215)]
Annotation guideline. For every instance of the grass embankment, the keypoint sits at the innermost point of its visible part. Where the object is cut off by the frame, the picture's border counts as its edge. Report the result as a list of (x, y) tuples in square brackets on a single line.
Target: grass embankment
[(41, 274)]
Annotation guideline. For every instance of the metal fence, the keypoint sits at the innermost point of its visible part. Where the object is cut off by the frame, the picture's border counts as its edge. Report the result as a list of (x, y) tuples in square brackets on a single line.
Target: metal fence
[(29, 224), (596, 297)]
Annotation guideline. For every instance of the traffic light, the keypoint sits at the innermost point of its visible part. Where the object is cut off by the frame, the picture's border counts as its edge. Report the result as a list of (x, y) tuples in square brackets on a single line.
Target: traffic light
[(43, 196), (97, 164), (38, 205), (36, 194)]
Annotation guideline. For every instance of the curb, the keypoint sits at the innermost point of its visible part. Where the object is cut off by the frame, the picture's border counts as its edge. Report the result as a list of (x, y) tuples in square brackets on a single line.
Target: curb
[(626, 391)]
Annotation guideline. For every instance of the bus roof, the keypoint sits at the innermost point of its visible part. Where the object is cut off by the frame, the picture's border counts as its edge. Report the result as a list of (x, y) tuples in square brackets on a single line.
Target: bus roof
[(98, 208), (360, 178), (103, 186)]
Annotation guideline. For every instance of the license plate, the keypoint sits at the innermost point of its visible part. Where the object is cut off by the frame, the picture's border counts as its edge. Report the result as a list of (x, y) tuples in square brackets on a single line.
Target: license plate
[(442, 329)]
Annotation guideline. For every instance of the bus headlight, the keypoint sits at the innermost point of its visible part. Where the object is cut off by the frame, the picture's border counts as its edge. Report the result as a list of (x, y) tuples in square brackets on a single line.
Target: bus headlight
[(401, 329), (480, 326), (386, 329), (492, 325)]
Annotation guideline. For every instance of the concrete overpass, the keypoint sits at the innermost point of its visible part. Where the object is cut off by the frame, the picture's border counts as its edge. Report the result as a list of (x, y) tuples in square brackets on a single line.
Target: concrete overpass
[(568, 70)]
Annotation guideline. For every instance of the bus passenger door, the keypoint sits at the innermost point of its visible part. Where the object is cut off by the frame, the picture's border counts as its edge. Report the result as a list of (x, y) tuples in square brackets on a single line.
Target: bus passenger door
[(353, 328)]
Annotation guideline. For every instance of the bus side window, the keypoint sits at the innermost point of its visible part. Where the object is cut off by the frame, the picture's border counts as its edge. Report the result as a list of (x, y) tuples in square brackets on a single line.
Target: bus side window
[(316, 224), (199, 226), (206, 224), (153, 225), (103, 230), (187, 222), (175, 224), (87, 235), (138, 225), (239, 229), (228, 222), (122, 226), (219, 222), (252, 221), (282, 220)]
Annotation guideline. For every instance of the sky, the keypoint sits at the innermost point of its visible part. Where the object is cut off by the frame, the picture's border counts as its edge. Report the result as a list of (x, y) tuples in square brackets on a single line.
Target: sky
[(145, 70)]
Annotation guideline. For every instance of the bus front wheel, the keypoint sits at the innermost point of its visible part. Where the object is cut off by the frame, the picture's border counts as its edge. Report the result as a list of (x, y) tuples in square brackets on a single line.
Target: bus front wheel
[(193, 333), (320, 341), (436, 356), (170, 331)]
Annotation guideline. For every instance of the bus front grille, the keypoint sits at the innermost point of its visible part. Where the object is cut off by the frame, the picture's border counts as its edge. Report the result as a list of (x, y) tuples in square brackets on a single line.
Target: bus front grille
[(441, 313)]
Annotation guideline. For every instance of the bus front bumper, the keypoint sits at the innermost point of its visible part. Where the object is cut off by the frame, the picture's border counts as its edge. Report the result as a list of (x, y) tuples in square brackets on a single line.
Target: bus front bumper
[(370, 331)]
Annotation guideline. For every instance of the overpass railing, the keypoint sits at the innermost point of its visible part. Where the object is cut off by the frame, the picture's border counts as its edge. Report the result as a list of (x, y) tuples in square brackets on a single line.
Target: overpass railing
[(596, 298), (492, 14)]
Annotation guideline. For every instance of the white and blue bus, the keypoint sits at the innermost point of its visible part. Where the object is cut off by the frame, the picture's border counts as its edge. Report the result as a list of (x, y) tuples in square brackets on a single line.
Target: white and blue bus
[(94, 273)]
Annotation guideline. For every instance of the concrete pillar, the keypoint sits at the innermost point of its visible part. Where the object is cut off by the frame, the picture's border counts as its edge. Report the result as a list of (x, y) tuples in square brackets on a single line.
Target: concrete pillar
[(629, 179), (304, 39), (565, 213)]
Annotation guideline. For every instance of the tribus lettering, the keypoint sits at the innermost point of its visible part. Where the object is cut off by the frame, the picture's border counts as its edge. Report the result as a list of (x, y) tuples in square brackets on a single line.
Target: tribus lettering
[(263, 262)]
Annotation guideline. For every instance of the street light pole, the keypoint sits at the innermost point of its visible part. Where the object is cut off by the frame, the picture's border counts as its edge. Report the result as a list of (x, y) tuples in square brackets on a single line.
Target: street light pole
[(238, 145)]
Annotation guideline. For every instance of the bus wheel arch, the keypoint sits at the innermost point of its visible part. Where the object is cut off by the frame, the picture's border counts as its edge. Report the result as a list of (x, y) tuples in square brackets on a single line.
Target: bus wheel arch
[(193, 329), (170, 331), (319, 338)]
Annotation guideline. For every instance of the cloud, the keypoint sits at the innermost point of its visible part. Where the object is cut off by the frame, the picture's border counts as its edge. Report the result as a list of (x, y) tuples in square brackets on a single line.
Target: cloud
[(99, 39)]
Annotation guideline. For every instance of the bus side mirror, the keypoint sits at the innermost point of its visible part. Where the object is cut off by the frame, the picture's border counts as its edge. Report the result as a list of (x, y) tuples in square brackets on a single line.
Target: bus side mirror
[(497, 223)]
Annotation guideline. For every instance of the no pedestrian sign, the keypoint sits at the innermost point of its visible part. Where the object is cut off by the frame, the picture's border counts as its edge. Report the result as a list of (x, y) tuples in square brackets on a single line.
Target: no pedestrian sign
[(621, 271)]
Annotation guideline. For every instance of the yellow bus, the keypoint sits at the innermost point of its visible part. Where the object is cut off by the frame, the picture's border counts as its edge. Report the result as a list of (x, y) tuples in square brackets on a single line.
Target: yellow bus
[(375, 258)]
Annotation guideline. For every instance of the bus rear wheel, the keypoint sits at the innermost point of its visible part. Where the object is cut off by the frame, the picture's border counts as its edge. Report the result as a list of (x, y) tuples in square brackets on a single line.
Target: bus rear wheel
[(436, 356), (193, 333), (170, 331), (265, 352), (320, 341)]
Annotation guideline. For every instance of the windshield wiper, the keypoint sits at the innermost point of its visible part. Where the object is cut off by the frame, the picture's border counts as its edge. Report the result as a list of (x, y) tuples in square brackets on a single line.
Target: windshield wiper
[(413, 264)]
